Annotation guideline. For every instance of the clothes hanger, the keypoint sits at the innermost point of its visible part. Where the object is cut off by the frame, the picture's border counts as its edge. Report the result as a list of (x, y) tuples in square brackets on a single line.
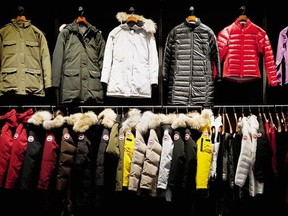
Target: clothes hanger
[(284, 120), (272, 125), (20, 14), (242, 17), (131, 19), (191, 18), (81, 19), (236, 121), (228, 121), (223, 123), (279, 127), (264, 115)]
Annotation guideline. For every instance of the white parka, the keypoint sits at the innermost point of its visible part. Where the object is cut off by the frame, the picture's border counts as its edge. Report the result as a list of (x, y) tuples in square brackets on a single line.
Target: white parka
[(131, 64)]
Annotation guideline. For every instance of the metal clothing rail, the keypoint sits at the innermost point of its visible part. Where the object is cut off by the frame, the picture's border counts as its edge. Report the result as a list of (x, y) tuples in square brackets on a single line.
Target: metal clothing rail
[(145, 106)]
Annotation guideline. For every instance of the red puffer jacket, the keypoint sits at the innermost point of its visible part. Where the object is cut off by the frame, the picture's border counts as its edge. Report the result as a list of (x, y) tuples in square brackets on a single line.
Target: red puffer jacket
[(240, 46)]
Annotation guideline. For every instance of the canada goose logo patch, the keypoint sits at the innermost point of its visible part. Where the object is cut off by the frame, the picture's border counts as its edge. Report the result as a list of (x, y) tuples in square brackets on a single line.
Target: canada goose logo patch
[(121, 137), (105, 137), (16, 135), (187, 136), (30, 139), (49, 138), (66, 136), (176, 137), (137, 143), (81, 137)]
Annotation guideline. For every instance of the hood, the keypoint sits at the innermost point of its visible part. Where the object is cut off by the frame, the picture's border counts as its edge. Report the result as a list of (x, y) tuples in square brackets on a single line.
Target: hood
[(25, 116), (180, 121), (167, 118), (10, 118), (148, 120), (108, 117), (133, 117), (74, 27), (82, 121), (193, 119), (205, 122), (147, 24), (56, 122), (39, 117)]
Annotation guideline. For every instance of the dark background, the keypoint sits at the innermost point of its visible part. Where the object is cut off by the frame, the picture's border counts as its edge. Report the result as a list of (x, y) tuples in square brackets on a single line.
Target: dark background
[(49, 15)]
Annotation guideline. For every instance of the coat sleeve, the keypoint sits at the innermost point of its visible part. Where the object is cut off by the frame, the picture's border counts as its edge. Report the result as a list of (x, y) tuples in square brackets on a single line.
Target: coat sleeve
[(108, 59), (269, 62), (167, 56), (46, 61), (58, 58), (153, 61)]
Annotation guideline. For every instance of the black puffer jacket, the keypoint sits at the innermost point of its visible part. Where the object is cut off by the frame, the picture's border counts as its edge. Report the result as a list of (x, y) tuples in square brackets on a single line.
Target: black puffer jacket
[(190, 56)]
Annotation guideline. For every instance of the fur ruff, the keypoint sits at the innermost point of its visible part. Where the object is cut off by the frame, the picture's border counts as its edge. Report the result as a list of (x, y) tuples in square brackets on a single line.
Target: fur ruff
[(56, 122), (133, 117), (39, 117), (148, 25), (108, 117), (85, 121), (143, 124)]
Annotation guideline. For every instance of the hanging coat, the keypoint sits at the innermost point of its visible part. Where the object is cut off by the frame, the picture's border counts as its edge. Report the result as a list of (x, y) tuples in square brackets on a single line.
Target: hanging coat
[(6, 142)]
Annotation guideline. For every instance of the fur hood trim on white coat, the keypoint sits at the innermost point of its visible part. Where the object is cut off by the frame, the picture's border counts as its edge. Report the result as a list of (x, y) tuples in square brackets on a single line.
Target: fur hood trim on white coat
[(39, 117), (107, 117), (56, 122), (147, 24), (133, 117)]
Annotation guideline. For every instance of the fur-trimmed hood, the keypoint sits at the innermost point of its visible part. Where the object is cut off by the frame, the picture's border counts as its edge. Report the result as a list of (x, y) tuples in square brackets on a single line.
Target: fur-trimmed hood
[(193, 119), (39, 117), (148, 120), (133, 117), (56, 122), (82, 121), (147, 24), (200, 121), (108, 117)]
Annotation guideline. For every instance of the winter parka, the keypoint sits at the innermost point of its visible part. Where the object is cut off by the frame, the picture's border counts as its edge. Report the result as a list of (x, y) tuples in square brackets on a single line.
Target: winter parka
[(166, 157), (149, 175), (77, 64), (18, 150), (190, 57), (9, 121), (24, 59), (50, 156), (139, 152), (131, 64)]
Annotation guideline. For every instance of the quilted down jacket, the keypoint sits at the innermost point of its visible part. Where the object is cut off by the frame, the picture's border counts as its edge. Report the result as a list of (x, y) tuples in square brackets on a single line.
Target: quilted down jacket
[(190, 56), (240, 46)]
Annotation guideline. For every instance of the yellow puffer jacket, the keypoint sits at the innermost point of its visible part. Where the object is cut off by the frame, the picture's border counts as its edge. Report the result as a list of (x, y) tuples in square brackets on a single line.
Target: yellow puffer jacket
[(204, 158)]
